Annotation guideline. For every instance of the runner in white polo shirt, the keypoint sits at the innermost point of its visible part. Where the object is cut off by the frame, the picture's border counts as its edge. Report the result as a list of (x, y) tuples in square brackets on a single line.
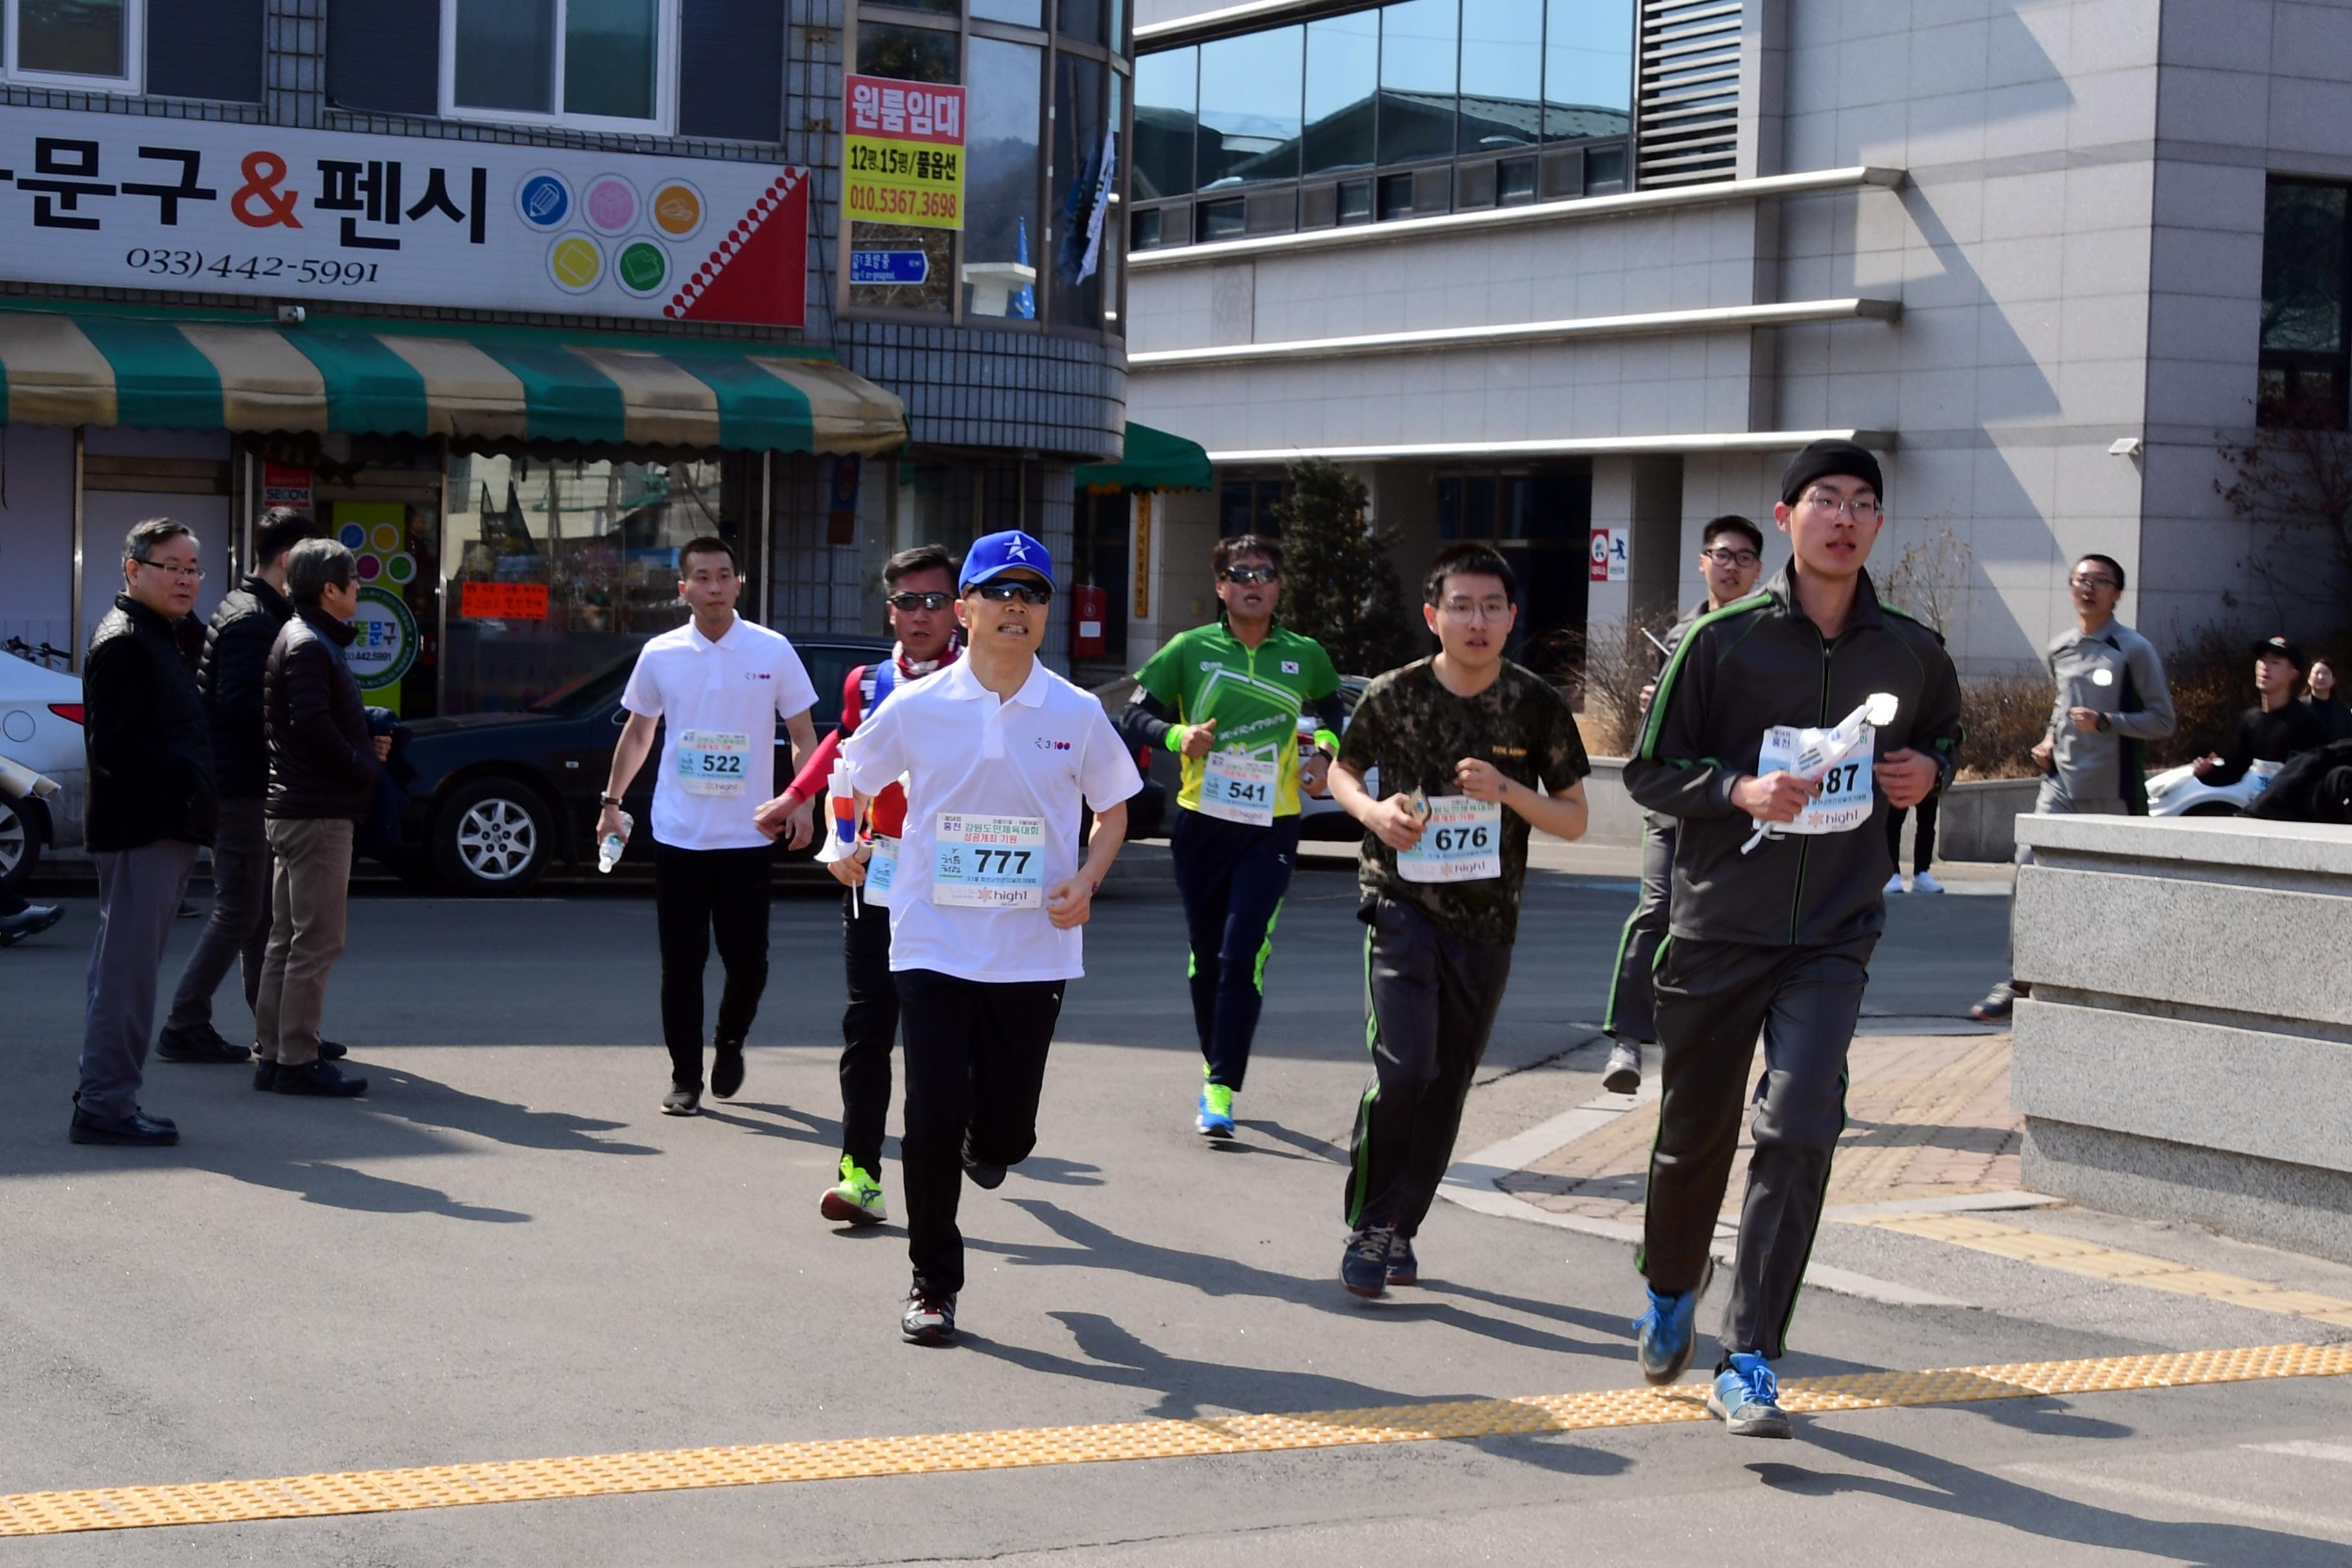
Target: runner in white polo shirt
[(997, 753), (718, 684)]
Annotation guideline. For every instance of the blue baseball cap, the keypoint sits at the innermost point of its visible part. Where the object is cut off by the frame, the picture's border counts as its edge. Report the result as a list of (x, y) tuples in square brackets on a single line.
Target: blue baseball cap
[(997, 552)]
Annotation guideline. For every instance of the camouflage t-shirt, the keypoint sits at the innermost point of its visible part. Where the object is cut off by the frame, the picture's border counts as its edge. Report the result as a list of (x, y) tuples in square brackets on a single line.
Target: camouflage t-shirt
[(1416, 733)]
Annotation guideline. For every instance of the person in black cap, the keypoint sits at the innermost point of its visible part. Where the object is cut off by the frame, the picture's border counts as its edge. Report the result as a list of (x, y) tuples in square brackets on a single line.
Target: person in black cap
[(1779, 865), (2276, 728)]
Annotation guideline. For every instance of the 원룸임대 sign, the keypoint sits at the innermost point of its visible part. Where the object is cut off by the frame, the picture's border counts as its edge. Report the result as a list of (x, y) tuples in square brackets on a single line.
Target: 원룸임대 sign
[(902, 158), (138, 202)]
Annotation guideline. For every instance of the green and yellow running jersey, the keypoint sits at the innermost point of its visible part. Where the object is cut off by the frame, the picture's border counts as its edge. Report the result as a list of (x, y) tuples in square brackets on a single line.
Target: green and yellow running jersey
[(1256, 695)]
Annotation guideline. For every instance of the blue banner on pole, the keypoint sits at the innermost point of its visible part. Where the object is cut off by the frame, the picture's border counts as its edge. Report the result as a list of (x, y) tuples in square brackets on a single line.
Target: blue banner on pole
[(888, 267)]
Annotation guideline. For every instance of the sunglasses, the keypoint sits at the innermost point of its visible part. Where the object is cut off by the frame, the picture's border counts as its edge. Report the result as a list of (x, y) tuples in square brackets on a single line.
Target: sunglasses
[(1027, 593), (1250, 575), (919, 601)]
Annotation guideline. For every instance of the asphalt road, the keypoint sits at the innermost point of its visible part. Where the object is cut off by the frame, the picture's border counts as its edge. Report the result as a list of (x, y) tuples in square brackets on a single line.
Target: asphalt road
[(504, 1252)]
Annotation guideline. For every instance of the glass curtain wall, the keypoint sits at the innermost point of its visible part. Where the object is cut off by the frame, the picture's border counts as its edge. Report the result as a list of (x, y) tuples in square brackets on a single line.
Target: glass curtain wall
[(1046, 151), (2306, 287), (1495, 87)]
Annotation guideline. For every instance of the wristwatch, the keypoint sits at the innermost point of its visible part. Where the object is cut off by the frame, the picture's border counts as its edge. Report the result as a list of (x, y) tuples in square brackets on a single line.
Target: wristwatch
[(607, 800)]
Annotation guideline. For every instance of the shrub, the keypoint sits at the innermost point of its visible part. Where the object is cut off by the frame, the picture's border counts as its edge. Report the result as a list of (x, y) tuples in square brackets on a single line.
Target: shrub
[(1339, 586), (1619, 661), (2003, 718)]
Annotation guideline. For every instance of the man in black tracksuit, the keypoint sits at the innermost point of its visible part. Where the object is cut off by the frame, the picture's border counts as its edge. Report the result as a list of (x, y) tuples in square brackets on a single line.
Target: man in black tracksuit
[(1773, 929)]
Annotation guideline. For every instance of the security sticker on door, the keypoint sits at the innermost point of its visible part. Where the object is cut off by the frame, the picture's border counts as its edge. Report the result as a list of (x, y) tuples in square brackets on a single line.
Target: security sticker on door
[(989, 862), (712, 762), (1462, 841), (1238, 787)]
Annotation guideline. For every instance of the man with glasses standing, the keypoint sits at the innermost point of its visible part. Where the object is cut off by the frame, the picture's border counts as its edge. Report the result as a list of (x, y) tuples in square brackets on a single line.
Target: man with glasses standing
[(1731, 552), (1228, 697), (2111, 700), (151, 803), (1778, 870), (997, 754), (919, 585)]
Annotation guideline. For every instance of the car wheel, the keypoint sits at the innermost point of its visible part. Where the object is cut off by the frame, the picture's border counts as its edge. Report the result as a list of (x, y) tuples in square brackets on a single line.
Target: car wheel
[(490, 838), (20, 844)]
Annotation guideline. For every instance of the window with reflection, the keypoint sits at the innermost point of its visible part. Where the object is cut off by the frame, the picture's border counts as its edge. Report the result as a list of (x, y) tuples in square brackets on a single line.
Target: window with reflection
[(1086, 19), (1502, 74), (1019, 12), (1003, 235), (1250, 89), (1417, 80), (2306, 289), (1343, 80), (1588, 69), (1085, 173), (1167, 115)]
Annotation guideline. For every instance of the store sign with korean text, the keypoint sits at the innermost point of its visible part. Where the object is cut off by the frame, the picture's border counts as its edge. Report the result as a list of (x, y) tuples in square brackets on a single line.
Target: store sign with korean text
[(903, 156), (138, 202)]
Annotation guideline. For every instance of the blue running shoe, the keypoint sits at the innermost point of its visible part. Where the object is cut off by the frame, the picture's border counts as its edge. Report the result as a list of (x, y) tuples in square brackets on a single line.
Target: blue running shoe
[(1748, 1396), (1216, 1117), (1666, 1333)]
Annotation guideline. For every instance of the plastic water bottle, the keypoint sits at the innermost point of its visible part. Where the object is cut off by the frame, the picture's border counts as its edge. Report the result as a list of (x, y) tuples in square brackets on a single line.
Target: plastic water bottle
[(608, 849)]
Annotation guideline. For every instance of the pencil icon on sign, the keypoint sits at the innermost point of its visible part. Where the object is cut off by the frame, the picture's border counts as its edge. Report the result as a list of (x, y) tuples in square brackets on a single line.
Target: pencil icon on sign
[(543, 201)]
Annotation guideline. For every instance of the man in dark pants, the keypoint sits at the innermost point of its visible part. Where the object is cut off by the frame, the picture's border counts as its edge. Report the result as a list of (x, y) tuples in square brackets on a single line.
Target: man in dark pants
[(1229, 697), (228, 678), (1475, 752), (149, 806), (1731, 552), (716, 686), (998, 753), (919, 592), (1779, 867)]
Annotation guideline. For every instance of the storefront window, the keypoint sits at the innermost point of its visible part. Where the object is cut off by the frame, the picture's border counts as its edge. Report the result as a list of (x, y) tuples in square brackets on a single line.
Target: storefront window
[(1417, 80), (908, 54), (1502, 74), (1588, 69), (1343, 75), (1250, 89), (559, 569), (596, 62), (73, 38), (1004, 239), (1082, 227), (1167, 105)]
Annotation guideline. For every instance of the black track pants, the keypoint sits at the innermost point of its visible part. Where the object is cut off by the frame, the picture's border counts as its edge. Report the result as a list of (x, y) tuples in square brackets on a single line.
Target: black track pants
[(698, 893), (869, 1027), (1713, 998), (1432, 1000), (1232, 878), (1633, 1006)]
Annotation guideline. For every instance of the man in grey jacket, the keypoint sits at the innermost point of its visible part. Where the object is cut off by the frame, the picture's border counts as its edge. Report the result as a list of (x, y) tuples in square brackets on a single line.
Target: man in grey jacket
[(2111, 700)]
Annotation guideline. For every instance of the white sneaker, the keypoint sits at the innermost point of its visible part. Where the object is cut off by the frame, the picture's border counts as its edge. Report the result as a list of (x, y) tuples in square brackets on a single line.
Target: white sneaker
[(1893, 884), (1924, 883)]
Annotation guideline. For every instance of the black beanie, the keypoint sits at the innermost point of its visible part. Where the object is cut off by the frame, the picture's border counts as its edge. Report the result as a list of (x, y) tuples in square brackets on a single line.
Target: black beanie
[(1823, 458)]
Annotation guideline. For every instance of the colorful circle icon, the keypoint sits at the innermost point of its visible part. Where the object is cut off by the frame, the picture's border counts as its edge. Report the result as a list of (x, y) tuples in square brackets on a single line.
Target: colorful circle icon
[(545, 199), (401, 568), (575, 263), (385, 537), (369, 568), (611, 204), (350, 536), (642, 267), (678, 208)]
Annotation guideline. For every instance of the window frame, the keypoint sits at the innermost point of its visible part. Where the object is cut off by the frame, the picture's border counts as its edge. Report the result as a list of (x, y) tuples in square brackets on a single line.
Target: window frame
[(131, 83), (666, 72), (2295, 363)]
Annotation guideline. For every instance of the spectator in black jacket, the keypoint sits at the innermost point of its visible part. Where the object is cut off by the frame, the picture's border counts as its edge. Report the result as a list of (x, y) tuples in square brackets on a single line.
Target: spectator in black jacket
[(148, 807), (322, 771), (228, 680)]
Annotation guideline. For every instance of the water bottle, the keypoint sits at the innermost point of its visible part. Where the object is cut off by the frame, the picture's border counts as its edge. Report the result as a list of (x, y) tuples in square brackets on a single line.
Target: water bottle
[(608, 850)]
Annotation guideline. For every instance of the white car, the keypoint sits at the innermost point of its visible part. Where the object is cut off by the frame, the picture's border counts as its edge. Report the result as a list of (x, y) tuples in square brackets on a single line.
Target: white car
[(40, 728), (2179, 791)]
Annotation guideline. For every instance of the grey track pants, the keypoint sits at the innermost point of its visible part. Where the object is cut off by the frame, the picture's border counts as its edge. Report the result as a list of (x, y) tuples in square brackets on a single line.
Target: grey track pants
[(1632, 1003), (1713, 998), (138, 896)]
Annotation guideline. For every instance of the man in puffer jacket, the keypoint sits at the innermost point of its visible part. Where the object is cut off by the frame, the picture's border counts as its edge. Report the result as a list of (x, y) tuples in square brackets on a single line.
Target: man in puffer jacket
[(322, 771)]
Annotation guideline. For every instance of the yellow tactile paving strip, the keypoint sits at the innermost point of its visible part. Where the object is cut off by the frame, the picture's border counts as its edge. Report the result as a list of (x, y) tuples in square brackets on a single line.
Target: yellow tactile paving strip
[(680, 1469), (2097, 1262)]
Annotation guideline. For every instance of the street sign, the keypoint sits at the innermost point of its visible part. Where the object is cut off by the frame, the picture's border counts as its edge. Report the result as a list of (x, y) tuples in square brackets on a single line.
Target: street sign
[(888, 267)]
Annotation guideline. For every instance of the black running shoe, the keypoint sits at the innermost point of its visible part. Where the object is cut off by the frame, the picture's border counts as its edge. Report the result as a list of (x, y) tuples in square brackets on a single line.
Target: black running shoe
[(201, 1043), (682, 1102), (1364, 1267), (265, 1076), (928, 1320), (987, 1178), (323, 1080), (1404, 1268), (727, 1071)]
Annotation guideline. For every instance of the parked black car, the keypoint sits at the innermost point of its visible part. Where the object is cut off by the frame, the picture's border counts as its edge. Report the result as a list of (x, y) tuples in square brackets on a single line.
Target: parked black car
[(499, 797)]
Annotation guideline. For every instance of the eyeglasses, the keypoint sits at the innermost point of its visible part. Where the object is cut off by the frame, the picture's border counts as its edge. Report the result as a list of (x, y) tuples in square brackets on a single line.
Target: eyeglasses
[(1027, 593), (1731, 557), (1249, 574), (918, 600), (193, 573), (2089, 580), (1862, 508), (1468, 612)]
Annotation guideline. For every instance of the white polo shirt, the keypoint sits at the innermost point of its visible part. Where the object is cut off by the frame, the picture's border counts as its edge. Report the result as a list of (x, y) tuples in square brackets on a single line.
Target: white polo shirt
[(736, 687), (964, 752)]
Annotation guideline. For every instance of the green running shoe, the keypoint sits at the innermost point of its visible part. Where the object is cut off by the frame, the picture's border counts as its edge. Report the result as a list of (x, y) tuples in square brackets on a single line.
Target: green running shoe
[(1216, 1114), (858, 1200)]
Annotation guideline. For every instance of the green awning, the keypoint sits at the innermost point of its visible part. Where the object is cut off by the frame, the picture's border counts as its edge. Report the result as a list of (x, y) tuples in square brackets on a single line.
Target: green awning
[(1155, 460), (216, 371)]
